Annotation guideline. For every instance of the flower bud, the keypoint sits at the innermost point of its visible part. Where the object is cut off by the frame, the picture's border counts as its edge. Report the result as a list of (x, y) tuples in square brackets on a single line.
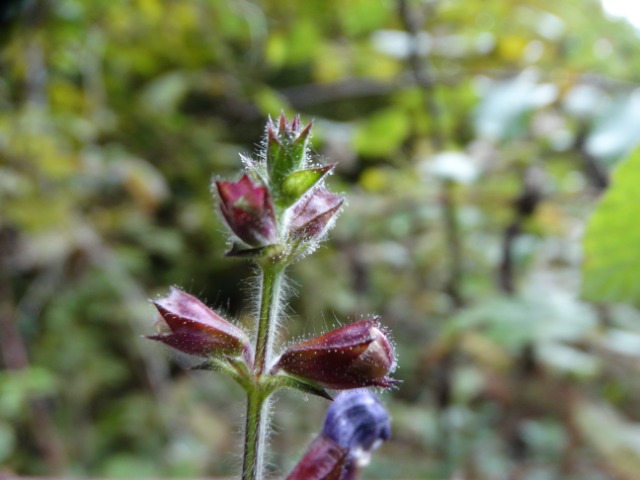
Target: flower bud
[(196, 329), (353, 356), (355, 425), (248, 210), (325, 459), (311, 217), (286, 147)]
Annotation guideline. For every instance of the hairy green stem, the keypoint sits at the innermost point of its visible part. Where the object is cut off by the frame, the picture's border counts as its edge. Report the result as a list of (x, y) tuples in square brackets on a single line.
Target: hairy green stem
[(252, 464), (269, 305), (257, 410)]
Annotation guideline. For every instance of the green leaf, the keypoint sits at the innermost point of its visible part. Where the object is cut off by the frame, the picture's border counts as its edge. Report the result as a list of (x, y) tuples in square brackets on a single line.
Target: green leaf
[(611, 268), (7, 440), (276, 382), (616, 439), (382, 133), (298, 183)]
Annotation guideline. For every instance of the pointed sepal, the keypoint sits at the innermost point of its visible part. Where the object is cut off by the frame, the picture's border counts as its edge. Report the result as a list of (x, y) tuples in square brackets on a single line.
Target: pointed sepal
[(277, 382), (235, 367), (239, 250), (313, 215), (298, 183)]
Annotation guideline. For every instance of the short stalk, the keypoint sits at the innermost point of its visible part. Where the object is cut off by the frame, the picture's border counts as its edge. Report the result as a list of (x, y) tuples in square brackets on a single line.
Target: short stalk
[(257, 412)]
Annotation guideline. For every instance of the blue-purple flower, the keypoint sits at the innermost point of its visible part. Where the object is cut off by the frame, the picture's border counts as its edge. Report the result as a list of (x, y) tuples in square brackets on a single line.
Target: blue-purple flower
[(355, 425)]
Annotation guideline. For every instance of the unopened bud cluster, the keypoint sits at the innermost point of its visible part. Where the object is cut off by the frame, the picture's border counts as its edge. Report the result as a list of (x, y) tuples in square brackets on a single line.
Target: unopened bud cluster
[(281, 200)]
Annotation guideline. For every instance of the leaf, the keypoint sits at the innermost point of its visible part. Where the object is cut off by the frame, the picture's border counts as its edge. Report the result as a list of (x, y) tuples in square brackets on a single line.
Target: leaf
[(382, 133), (611, 268), (539, 315), (615, 438), (502, 113), (615, 132), (285, 381), (7, 440)]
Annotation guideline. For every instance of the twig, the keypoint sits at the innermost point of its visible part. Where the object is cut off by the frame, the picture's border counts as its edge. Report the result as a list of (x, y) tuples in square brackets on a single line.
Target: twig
[(524, 207)]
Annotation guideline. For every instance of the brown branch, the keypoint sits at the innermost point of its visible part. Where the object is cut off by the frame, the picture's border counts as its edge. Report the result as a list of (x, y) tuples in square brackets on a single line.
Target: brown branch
[(524, 207), (593, 169), (425, 79), (422, 71)]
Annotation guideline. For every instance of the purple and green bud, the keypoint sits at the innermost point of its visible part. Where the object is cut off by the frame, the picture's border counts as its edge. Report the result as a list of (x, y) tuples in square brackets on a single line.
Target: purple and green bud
[(355, 425), (354, 356), (195, 329), (313, 215), (248, 210)]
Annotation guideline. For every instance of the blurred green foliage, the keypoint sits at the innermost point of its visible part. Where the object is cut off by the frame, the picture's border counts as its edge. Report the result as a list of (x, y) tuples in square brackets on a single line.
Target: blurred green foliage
[(474, 140), (612, 261)]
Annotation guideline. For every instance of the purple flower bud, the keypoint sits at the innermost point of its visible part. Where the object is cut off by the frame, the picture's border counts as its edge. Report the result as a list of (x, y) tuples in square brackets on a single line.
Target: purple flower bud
[(355, 425), (196, 329), (248, 210), (354, 356), (325, 459), (311, 216)]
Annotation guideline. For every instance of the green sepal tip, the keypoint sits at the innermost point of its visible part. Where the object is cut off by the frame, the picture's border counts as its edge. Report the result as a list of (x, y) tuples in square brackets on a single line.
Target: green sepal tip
[(296, 184)]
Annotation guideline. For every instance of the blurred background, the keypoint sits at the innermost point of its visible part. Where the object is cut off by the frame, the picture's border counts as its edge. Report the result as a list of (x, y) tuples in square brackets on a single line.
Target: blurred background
[(477, 141)]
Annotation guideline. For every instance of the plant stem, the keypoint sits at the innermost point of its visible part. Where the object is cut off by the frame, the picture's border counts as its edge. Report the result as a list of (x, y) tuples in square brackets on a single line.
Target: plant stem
[(252, 464), (257, 411), (454, 244), (269, 305)]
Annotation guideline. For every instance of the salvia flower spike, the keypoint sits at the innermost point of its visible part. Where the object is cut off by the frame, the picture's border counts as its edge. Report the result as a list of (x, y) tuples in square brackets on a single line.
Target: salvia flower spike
[(248, 210), (278, 211), (195, 329), (354, 356), (355, 425)]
